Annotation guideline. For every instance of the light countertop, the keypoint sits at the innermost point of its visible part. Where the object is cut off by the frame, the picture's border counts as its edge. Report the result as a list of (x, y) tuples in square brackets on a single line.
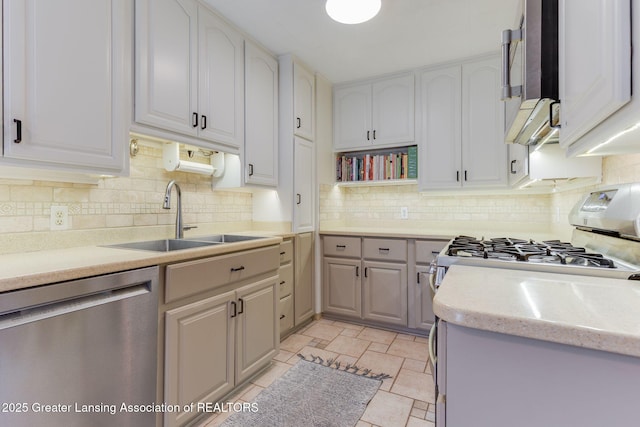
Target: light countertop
[(432, 233), (582, 311), (22, 270)]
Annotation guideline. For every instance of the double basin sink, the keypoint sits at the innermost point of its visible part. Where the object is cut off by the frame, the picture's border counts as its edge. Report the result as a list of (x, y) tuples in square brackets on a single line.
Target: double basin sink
[(168, 245)]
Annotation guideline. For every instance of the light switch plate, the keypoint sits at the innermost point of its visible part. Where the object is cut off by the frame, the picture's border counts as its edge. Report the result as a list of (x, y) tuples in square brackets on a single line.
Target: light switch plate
[(404, 212)]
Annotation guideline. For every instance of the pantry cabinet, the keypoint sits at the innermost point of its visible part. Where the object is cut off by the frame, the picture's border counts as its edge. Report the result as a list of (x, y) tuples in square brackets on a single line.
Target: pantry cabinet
[(261, 117), (58, 114), (594, 44), (304, 102), (304, 291), (462, 122), (304, 173), (374, 114), (189, 75)]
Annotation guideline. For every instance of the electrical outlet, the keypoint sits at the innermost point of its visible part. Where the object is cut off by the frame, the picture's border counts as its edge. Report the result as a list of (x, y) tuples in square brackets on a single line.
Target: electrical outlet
[(404, 212), (59, 217)]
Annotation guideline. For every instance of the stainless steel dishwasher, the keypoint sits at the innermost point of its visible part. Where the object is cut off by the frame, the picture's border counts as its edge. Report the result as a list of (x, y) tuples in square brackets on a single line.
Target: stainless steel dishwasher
[(73, 353)]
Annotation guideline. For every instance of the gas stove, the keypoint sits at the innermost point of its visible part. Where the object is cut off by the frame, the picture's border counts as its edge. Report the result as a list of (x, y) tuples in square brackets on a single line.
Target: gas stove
[(605, 242)]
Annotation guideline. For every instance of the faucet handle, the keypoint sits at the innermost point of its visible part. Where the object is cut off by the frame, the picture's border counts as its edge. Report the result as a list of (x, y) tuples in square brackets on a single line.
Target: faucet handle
[(189, 227)]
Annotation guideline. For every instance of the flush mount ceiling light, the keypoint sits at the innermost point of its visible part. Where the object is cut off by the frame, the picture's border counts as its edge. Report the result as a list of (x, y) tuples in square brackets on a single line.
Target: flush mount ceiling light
[(352, 11)]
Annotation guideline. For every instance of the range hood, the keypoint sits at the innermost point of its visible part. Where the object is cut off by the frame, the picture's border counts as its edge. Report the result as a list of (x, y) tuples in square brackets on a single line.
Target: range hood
[(551, 170), (530, 74)]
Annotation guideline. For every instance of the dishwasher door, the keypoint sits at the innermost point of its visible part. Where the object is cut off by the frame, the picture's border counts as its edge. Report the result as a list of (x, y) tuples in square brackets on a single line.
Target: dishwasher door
[(72, 353)]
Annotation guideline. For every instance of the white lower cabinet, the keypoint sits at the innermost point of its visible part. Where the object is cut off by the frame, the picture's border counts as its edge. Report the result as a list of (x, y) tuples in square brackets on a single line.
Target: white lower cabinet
[(215, 343)]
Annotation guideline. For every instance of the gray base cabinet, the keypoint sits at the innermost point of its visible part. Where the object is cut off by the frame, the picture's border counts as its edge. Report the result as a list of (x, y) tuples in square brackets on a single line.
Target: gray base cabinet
[(221, 326), (498, 380), (303, 287), (384, 292), (381, 281)]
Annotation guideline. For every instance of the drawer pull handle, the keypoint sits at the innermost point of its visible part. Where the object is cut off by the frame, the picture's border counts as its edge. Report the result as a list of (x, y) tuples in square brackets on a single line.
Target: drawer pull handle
[(283, 282), (282, 316), (341, 246), (383, 249), (357, 271), (233, 270), (282, 253), (241, 301), (234, 312), (18, 123)]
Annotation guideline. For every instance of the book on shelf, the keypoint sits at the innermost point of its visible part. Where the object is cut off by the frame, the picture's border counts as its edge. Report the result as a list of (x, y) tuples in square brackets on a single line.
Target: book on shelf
[(392, 165)]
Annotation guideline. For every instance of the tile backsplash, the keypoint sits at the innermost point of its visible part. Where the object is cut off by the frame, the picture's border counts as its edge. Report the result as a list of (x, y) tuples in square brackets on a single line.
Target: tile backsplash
[(116, 209)]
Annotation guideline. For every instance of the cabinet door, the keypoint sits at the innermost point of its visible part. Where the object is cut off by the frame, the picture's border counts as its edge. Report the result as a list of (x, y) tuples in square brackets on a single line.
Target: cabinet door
[(199, 354), (341, 286), (286, 314), (484, 153), (518, 163), (424, 300), (220, 80), (261, 117), (68, 113), (384, 292), (594, 60), (303, 292), (304, 175), (166, 74), (352, 117), (303, 102), (440, 120), (393, 109), (258, 327)]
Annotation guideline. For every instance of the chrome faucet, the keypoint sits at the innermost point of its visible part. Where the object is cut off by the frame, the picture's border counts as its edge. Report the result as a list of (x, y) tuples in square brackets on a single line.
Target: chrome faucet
[(167, 205)]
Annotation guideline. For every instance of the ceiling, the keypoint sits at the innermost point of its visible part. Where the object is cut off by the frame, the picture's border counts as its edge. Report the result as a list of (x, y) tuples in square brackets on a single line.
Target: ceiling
[(405, 34)]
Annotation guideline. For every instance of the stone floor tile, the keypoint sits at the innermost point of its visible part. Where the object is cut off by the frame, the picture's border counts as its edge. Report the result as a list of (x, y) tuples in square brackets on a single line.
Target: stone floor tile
[(406, 337), (350, 332), (362, 424), (274, 372), (251, 393), (418, 413), (313, 351), (419, 404), (348, 325), (294, 342), (377, 335), (283, 355), (422, 339), (323, 331), (388, 409), (409, 349), (381, 363), (347, 345), (380, 348), (414, 365), (414, 385), (417, 422), (346, 360)]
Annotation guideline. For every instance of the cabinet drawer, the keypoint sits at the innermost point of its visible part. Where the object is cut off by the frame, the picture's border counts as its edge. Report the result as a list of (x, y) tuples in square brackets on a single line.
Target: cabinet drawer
[(286, 251), (286, 313), (427, 250), (189, 278), (286, 280), (385, 249), (341, 246)]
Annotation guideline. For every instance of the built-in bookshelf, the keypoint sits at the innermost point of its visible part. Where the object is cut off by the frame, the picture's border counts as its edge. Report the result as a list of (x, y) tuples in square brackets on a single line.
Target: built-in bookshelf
[(377, 166)]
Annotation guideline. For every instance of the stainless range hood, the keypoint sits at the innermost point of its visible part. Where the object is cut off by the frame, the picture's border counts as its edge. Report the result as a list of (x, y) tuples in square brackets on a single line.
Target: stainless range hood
[(530, 74)]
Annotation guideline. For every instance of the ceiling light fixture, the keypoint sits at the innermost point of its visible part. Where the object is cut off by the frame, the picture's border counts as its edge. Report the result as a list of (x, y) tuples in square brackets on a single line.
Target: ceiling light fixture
[(352, 11)]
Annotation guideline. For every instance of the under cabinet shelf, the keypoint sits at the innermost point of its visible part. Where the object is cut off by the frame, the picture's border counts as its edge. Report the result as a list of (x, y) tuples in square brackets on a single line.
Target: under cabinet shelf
[(391, 165)]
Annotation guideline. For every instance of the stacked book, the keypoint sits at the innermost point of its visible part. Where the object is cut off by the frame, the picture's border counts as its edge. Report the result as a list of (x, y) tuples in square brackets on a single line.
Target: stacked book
[(377, 167)]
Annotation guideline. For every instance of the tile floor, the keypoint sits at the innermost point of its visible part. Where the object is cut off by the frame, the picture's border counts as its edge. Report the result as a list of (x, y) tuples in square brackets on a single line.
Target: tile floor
[(406, 399)]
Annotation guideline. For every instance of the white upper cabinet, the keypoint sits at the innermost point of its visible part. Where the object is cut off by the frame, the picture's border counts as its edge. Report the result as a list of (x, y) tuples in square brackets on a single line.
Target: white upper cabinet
[(189, 74), (67, 85), (378, 113), (304, 95), (594, 61), (462, 127), (261, 117)]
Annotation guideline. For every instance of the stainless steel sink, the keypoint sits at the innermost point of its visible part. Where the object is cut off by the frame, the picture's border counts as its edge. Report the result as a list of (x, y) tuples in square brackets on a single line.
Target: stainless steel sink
[(224, 238), (165, 245)]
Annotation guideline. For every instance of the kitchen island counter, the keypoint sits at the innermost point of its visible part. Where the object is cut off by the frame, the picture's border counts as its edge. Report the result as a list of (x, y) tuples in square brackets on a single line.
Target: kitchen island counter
[(590, 312)]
